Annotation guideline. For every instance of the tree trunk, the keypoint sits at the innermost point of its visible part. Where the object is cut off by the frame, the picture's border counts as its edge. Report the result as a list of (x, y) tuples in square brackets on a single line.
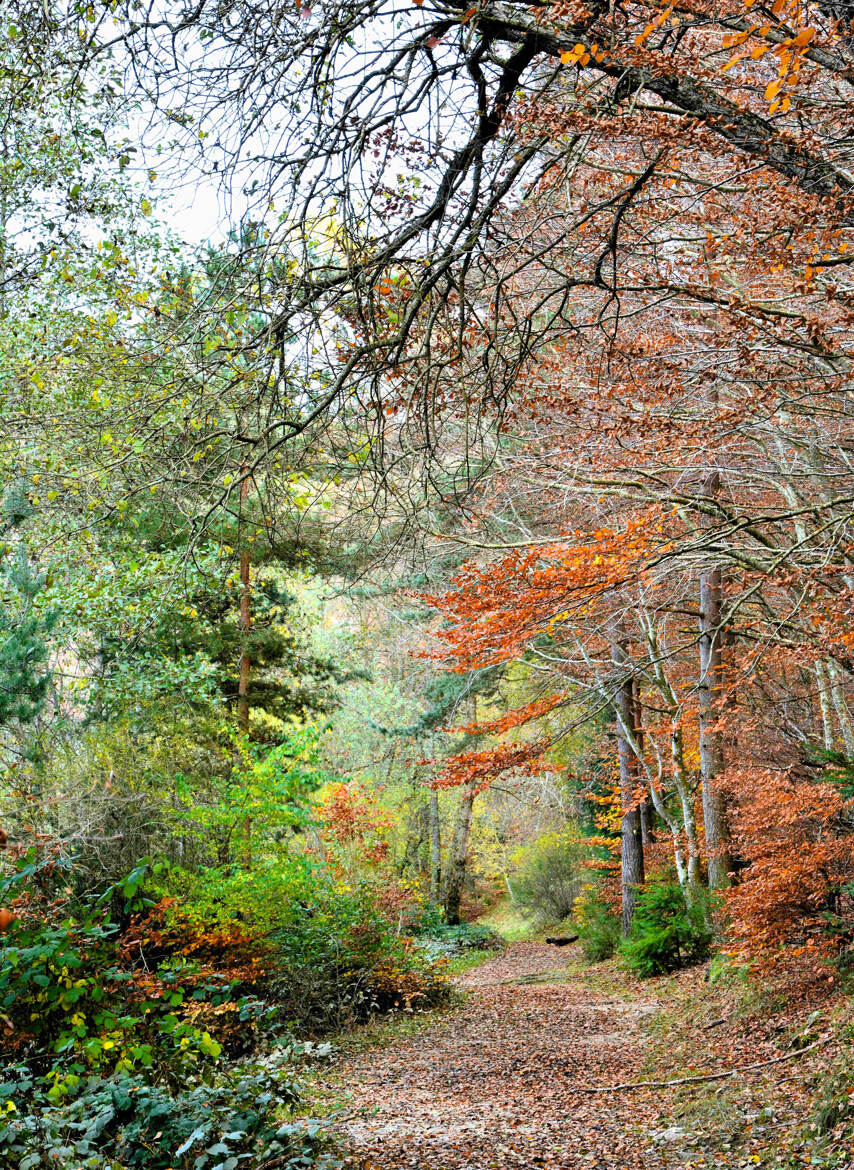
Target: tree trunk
[(842, 712), (456, 875), (245, 665), (631, 839), (711, 737), (647, 808), (435, 849), (824, 706)]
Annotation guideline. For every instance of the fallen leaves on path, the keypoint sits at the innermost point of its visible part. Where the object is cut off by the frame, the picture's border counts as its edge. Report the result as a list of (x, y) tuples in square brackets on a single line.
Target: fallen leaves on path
[(496, 1084)]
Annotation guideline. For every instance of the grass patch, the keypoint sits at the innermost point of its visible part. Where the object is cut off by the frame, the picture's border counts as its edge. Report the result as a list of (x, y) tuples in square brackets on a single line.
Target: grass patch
[(468, 960), (508, 921)]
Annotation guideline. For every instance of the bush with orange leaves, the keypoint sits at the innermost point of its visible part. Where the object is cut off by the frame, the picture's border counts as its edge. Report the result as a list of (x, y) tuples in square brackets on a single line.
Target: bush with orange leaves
[(794, 829), (356, 835)]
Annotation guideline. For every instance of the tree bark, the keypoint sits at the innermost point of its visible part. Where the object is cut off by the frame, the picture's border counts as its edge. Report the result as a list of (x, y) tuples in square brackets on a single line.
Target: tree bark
[(824, 706), (647, 808), (711, 737), (245, 665), (435, 849), (842, 712), (631, 839), (456, 875)]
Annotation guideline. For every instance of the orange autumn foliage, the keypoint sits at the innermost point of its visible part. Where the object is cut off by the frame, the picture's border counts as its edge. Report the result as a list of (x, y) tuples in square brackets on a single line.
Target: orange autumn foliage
[(797, 837)]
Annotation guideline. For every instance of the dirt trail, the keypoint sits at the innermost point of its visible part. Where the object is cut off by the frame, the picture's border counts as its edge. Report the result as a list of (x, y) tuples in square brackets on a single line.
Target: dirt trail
[(494, 1084)]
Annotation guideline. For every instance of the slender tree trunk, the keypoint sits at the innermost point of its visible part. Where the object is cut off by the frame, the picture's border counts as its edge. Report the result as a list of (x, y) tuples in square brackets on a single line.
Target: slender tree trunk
[(824, 706), (686, 799), (245, 664), (456, 875), (631, 839), (647, 808), (684, 836), (842, 712), (711, 737), (435, 849)]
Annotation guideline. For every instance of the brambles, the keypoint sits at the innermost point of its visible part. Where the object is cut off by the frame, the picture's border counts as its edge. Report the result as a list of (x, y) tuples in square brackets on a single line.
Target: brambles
[(126, 1120), (153, 1020)]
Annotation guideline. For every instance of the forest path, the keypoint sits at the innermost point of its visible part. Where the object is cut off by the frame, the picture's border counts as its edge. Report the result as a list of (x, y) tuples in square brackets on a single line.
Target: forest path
[(494, 1084)]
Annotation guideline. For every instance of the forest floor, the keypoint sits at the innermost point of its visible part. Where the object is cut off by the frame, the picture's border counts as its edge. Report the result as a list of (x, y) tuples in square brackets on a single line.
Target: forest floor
[(505, 1078)]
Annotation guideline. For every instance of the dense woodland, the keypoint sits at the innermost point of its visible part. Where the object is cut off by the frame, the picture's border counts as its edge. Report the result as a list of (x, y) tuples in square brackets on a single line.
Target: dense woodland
[(426, 527)]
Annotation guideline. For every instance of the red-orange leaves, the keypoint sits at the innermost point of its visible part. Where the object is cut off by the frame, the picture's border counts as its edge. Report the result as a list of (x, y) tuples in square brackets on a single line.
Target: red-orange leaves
[(495, 613), (351, 816), (793, 833), (482, 768), (511, 719)]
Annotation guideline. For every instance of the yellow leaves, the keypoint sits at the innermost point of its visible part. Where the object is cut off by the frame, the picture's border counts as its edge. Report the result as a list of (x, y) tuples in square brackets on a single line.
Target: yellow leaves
[(580, 55), (573, 55), (732, 39), (659, 20), (789, 49)]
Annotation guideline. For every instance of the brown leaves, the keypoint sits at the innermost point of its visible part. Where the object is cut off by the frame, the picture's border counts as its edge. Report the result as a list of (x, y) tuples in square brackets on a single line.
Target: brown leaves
[(495, 1084)]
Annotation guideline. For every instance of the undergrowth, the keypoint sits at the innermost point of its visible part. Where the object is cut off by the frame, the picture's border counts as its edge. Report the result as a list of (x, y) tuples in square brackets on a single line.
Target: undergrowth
[(148, 1025)]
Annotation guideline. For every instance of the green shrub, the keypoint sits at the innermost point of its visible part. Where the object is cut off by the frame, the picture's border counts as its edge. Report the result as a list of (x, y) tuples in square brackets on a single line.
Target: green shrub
[(550, 875), (666, 934), (75, 1004), (327, 954), (341, 959), (597, 926), (102, 1123)]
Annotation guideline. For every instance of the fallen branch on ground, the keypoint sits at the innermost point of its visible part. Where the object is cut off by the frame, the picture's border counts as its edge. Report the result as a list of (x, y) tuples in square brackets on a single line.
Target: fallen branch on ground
[(714, 1024), (718, 1076)]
